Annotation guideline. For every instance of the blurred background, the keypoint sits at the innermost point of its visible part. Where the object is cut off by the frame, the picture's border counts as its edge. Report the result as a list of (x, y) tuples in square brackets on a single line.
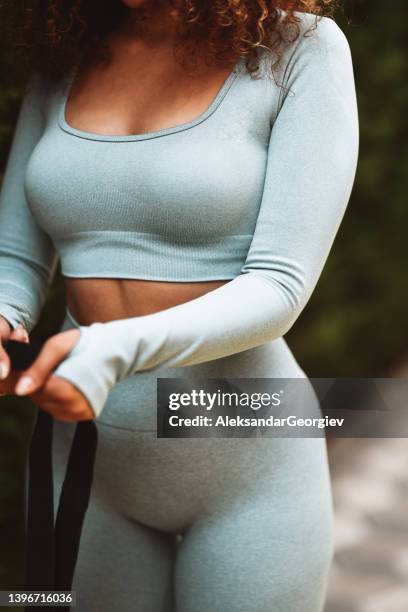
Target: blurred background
[(355, 325)]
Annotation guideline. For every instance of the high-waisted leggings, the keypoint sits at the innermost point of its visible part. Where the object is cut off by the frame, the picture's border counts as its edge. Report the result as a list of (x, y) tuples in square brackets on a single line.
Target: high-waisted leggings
[(201, 525)]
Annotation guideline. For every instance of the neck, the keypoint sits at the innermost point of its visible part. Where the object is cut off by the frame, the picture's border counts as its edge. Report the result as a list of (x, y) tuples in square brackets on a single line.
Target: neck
[(155, 21)]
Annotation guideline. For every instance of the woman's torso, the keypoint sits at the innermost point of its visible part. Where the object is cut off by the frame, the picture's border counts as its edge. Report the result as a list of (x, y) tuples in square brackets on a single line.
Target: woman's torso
[(149, 181), (144, 101)]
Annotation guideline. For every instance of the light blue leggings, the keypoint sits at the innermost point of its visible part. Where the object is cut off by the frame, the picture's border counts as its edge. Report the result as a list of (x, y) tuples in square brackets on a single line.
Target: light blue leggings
[(201, 525)]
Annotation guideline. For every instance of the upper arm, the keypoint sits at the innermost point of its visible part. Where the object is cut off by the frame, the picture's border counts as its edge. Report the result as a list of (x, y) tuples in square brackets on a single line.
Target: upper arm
[(27, 255), (311, 165), (15, 215)]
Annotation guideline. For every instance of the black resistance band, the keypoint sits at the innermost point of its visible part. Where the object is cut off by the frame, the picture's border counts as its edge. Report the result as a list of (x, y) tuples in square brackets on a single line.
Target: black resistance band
[(52, 550)]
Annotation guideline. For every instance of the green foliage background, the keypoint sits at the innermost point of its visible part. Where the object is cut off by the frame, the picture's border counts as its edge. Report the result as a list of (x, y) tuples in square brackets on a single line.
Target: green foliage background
[(356, 322)]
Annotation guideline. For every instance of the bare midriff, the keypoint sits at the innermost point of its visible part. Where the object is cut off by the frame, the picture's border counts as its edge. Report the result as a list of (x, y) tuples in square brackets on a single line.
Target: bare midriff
[(106, 299)]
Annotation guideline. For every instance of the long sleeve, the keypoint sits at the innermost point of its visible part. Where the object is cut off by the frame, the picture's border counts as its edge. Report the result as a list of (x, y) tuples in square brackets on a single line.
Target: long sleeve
[(27, 255), (311, 165)]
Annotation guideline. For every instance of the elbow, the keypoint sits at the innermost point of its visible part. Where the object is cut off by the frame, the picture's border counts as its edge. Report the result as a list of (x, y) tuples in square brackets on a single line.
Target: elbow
[(286, 287), (289, 282), (294, 302), (290, 318), (288, 296)]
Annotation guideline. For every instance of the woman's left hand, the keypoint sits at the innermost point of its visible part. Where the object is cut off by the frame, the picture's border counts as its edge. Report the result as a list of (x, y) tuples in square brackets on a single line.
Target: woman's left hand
[(53, 393)]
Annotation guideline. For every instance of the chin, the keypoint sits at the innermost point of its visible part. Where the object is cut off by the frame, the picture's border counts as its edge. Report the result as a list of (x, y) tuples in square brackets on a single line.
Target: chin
[(145, 4), (135, 3)]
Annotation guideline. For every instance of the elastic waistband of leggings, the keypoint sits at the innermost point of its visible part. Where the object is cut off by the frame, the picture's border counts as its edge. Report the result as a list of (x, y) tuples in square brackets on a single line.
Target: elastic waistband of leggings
[(71, 317)]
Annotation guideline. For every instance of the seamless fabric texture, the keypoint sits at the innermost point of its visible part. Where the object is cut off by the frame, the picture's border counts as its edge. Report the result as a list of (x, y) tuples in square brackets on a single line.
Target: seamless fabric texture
[(252, 191)]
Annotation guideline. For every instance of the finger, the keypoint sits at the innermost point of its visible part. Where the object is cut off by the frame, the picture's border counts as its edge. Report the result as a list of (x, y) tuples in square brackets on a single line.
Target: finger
[(53, 351), (55, 409), (5, 364), (62, 400), (55, 390), (19, 334)]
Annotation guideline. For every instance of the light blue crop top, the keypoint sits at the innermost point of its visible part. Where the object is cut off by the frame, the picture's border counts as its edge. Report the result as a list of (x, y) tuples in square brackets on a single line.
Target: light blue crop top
[(127, 206), (251, 191)]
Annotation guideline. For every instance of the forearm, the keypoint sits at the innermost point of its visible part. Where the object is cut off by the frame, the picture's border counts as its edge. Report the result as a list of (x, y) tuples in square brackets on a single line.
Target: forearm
[(240, 315)]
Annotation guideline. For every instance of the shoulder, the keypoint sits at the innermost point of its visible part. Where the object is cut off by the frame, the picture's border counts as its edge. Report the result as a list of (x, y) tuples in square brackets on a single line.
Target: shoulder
[(36, 86), (315, 64), (310, 36), (324, 29), (312, 42), (318, 36), (312, 45), (38, 91)]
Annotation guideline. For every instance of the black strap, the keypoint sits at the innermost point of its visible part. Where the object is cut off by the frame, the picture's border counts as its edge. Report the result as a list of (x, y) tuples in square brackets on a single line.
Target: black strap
[(22, 354), (73, 503), (40, 510), (52, 551)]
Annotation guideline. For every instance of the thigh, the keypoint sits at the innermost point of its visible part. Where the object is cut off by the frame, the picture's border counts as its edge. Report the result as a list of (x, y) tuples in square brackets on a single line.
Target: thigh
[(269, 550), (122, 564)]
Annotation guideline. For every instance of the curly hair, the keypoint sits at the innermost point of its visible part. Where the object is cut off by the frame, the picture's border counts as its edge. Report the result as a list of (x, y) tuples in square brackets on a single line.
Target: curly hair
[(52, 35)]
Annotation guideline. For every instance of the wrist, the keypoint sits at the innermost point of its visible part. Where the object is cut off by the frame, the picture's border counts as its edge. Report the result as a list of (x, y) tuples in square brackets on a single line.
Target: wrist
[(94, 364), (111, 344)]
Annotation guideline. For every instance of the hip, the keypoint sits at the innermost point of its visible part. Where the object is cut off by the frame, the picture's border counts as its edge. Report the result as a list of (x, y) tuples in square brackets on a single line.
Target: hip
[(167, 483)]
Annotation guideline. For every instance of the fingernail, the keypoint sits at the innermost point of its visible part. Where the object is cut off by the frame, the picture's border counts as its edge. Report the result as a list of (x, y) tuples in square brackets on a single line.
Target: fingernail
[(4, 371), (24, 385), (21, 332)]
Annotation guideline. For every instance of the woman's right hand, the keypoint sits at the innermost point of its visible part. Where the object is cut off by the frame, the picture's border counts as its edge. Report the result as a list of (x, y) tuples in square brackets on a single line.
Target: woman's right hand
[(7, 378)]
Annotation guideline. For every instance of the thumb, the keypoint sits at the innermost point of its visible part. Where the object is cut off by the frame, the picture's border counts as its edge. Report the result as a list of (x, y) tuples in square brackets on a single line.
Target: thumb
[(5, 365), (35, 376)]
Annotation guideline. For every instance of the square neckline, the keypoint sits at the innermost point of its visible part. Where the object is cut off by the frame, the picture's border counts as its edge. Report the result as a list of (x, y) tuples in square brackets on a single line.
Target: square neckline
[(214, 104)]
